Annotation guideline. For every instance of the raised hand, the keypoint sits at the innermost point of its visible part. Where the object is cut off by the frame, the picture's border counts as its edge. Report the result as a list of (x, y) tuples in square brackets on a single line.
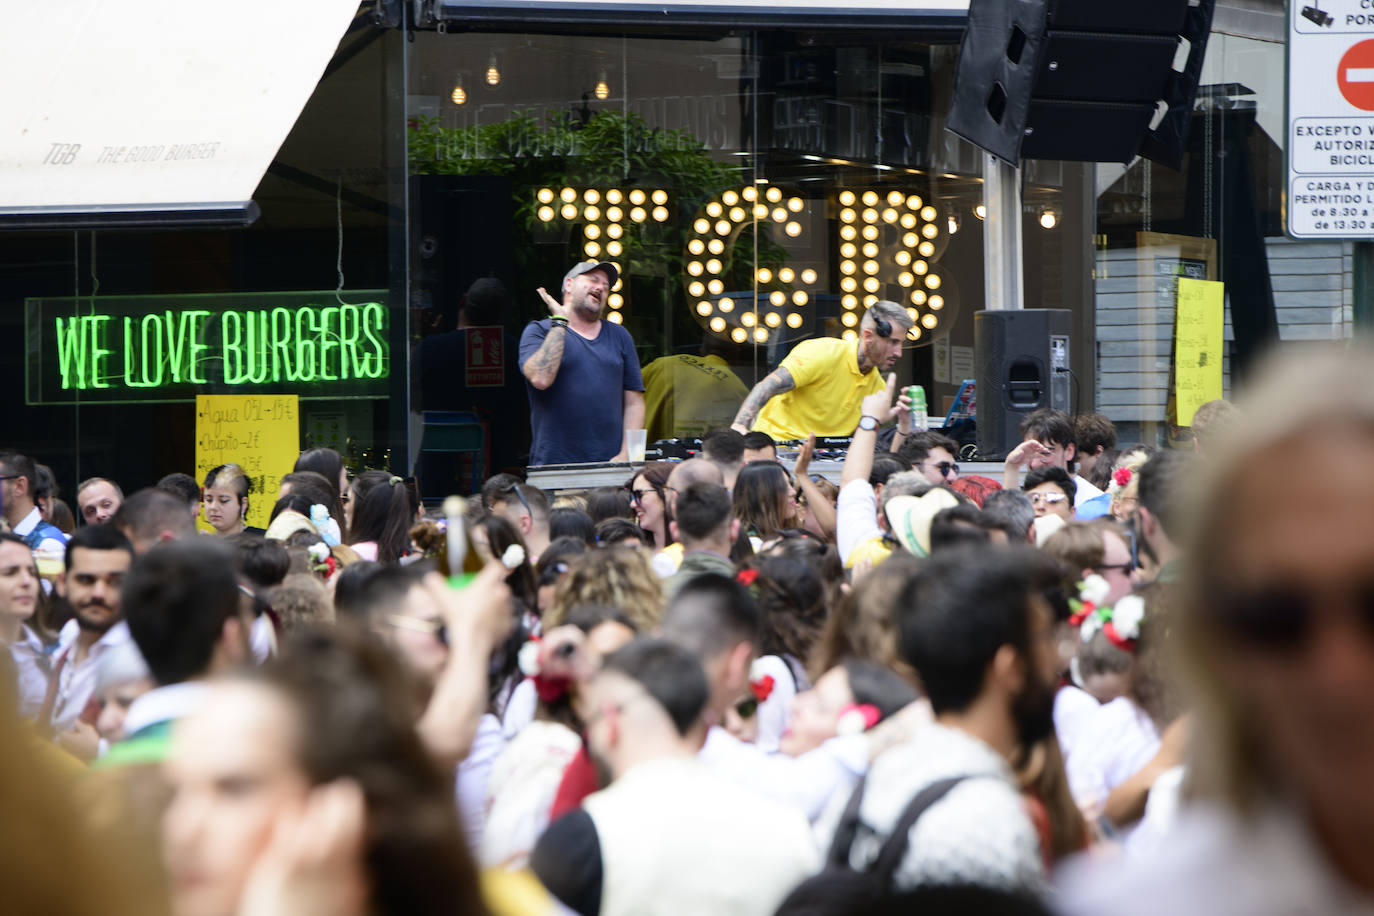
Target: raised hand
[(556, 308)]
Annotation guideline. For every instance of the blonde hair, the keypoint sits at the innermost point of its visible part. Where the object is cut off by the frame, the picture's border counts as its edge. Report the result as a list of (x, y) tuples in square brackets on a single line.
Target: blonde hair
[(618, 577), (1229, 760)]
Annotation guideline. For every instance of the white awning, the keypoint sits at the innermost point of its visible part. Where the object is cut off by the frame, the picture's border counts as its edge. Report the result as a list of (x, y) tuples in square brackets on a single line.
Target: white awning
[(132, 112)]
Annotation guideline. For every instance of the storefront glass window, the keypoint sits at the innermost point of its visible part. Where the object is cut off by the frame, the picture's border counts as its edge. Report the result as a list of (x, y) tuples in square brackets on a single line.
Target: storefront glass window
[(756, 189)]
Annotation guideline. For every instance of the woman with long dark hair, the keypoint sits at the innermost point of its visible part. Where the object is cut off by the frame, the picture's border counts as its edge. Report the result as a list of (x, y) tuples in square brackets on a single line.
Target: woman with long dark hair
[(765, 502), (649, 497), (379, 528)]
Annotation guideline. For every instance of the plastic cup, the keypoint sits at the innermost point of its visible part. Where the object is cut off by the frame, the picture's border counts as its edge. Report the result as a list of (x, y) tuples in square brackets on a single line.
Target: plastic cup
[(636, 440)]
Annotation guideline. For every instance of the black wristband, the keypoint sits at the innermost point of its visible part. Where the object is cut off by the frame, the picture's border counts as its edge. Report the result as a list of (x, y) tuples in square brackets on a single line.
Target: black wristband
[(557, 322)]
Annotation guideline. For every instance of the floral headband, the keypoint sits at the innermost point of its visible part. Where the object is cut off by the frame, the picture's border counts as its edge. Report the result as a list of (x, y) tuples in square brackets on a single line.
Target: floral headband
[(1120, 623), (322, 559), (537, 663)]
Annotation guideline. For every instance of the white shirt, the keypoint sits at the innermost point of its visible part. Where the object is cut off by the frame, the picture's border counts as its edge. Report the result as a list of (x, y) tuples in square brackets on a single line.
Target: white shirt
[(29, 523), (978, 834), (33, 665), (76, 682), (1217, 863), (806, 782), (676, 837), (520, 708), (163, 704), (1113, 745), (473, 775), (775, 713), (1085, 491), (1074, 709), (520, 792), (856, 517)]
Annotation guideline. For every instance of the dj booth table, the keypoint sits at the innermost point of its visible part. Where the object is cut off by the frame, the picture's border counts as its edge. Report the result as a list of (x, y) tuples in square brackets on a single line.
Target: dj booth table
[(570, 477)]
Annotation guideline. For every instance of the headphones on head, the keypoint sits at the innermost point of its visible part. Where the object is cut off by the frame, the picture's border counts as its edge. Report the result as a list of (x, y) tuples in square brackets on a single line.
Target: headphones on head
[(882, 326)]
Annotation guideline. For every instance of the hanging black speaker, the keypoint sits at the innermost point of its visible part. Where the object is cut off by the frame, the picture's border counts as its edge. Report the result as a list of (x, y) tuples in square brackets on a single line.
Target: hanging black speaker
[(1084, 80)]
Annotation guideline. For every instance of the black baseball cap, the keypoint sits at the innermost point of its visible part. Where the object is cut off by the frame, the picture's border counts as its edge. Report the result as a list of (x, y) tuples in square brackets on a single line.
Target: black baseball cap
[(580, 269)]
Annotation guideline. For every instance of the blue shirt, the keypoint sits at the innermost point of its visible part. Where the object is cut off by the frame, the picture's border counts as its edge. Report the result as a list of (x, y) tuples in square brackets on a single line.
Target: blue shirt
[(580, 417)]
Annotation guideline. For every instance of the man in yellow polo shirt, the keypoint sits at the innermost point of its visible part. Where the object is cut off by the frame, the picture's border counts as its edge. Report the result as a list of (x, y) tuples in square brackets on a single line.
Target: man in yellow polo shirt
[(820, 384)]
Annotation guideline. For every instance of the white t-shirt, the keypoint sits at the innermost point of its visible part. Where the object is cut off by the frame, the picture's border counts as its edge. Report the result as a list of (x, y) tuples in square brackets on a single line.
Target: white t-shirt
[(1112, 746)]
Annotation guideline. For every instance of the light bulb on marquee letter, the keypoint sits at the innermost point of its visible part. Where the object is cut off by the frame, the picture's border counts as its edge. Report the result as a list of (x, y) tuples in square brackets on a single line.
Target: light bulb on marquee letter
[(603, 230), (779, 295)]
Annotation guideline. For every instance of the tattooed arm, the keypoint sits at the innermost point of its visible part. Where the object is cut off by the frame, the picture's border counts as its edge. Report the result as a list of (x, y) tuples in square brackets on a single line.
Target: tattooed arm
[(775, 383), (542, 366)]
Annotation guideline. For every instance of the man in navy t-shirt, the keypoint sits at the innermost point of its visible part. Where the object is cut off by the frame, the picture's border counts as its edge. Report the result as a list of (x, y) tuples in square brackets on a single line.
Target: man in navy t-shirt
[(582, 374)]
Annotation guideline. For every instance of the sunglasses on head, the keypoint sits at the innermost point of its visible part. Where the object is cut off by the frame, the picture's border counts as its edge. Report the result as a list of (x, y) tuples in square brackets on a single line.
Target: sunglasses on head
[(515, 488), (1281, 618)]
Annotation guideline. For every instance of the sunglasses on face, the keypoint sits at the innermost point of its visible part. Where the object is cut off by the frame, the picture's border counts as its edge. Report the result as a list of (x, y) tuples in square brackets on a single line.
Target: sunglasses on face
[(1128, 567), (638, 495), (1048, 499), (1281, 619), (944, 467)]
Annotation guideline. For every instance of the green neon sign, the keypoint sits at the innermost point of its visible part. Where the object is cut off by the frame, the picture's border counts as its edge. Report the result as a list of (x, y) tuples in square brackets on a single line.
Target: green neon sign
[(153, 348)]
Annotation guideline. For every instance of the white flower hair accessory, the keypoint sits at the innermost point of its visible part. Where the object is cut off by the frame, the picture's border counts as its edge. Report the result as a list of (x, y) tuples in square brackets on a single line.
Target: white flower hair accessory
[(1094, 588), (1126, 617), (319, 553), (529, 658), (514, 555)]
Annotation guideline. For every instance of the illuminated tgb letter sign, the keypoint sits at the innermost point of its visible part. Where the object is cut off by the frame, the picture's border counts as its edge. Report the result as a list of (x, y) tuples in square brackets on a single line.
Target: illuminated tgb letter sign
[(170, 348)]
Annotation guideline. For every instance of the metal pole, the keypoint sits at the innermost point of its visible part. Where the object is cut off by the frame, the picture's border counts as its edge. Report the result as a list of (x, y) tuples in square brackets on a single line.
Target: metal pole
[(1002, 235)]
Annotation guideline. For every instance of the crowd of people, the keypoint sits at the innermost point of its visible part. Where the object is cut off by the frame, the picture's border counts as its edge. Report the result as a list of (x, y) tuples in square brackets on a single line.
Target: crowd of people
[(1120, 679)]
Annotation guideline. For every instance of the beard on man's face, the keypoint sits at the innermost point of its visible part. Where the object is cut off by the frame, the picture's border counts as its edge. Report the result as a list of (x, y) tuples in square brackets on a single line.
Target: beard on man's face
[(92, 623)]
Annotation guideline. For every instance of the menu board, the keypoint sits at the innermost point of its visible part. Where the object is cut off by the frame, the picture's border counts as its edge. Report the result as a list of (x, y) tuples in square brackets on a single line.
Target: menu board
[(261, 434), (1198, 324)]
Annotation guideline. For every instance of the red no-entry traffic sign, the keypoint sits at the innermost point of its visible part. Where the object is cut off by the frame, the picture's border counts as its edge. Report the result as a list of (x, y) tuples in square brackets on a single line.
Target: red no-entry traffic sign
[(1355, 75)]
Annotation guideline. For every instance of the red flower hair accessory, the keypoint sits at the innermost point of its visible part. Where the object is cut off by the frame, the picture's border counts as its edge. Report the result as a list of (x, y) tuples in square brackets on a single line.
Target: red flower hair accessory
[(857, 718), (761, 683), (747, 577), (1122, 476)]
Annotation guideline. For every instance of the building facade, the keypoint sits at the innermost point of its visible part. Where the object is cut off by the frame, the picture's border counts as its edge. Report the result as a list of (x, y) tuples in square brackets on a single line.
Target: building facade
[(759, 179)]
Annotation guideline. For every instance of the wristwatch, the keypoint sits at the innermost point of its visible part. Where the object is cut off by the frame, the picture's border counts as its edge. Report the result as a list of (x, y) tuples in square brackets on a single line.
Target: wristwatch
[(867, 423)]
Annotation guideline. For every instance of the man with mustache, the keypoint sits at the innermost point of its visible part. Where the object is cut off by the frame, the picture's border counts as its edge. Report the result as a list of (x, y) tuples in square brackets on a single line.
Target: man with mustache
[(98, 556), (819, 386), (582, 374)]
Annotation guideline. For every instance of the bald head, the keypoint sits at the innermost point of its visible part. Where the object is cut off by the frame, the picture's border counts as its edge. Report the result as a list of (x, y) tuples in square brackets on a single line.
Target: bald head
[(693, 470)]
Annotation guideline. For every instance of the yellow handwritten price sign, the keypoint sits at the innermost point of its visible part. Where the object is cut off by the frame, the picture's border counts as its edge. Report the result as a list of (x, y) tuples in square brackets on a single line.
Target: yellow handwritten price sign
[(1197, 345), (261, 434)]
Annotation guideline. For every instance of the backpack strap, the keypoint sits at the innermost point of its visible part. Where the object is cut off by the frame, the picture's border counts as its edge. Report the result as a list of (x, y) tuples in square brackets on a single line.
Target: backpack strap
[(847, 828), (894, 850)]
